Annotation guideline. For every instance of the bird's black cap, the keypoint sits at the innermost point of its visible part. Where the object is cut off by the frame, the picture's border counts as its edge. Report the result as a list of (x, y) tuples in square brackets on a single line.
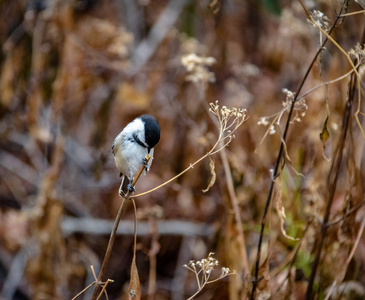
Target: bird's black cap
[(152, 130)]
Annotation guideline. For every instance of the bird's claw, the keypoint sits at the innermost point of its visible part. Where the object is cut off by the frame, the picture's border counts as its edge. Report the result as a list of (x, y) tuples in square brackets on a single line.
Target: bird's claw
[(145, 164), (122, 194), (131, 188)]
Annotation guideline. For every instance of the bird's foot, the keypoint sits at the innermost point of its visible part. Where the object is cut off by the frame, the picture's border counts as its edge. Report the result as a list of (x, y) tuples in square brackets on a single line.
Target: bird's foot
[(131, 188), (122, 194), (145, 164)]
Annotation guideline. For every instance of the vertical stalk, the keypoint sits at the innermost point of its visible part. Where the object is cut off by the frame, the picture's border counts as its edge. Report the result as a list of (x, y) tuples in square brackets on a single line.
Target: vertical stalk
[(279, 157), (113, 234)]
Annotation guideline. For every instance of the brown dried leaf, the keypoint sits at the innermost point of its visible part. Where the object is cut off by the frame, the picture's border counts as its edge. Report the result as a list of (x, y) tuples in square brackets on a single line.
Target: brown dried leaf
[(324, 135), (287, 157), (281, 210), (134, 285), (212, 172)]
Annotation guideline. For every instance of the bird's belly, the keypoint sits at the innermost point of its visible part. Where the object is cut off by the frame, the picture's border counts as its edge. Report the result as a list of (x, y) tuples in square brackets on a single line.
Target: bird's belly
[(130, 161)]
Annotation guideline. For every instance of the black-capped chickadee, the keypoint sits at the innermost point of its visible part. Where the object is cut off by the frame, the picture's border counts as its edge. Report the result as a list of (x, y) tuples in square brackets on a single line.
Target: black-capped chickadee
[(131, 146)]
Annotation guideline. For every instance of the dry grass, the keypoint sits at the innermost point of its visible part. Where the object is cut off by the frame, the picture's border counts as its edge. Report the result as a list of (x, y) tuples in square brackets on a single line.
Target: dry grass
[(289, 184)]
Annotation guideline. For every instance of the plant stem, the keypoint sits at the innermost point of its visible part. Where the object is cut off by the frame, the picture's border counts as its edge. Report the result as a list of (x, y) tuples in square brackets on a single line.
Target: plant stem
[(279, 157), (113, 234), (236, 210), (332, 184)]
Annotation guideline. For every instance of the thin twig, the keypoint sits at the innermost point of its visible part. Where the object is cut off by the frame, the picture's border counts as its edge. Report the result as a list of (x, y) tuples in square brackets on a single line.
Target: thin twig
[(93, 271), (347, 214), (114, 231), (349, 258), (353, 13), (84, 290), (354, 247), (332, 179), (291, 258), (328, 82), (198, 291), (109, 248), (332, 184), (279, 158), (329, 293), (104, 288), (175, 177), (222, 127), (236, 209), (349, 60)]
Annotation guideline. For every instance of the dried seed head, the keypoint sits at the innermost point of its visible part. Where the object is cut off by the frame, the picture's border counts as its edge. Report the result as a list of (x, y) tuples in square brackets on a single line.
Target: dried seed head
[(197, 66), (320, 18)]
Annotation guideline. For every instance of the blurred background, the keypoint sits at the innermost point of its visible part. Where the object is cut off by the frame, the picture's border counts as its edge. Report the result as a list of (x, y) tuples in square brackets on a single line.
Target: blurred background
[(74, 73)]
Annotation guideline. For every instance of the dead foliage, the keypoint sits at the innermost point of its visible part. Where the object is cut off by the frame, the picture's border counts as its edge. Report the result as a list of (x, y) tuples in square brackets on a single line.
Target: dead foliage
[(288, 184)]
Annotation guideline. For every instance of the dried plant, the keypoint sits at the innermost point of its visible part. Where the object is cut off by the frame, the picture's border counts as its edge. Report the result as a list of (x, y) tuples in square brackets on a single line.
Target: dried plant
[(335, 163), (203, 270), (229, 120), (78, 69), (197, 66), (319, 18), (300, 108)]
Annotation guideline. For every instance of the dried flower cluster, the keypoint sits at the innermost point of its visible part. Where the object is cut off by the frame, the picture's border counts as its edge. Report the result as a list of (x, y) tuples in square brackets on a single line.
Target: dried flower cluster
[(320, 18), (358, 52), (197, 66), (229, 120), (191, 45), (206, 264), (300, 109), (203, 270)]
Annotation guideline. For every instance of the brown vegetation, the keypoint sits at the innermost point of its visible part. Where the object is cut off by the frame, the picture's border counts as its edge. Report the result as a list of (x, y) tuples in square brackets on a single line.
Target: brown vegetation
[(278, 200)]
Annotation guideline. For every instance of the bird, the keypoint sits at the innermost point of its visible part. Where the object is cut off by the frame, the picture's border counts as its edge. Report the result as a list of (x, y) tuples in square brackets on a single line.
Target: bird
[(130, 147)]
